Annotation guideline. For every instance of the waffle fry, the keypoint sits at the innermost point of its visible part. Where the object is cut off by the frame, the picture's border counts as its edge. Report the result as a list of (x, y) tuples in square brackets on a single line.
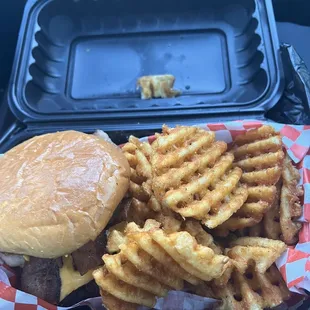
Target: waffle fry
[(261, 251), (138, 212), (280, 221), (112, 303), (197, 260), (202, 237), (183, 245), (290, 207), (115, 239), (261, 242), (262, 193), (192, 176), (121, 290), (253, 210), (138, 155), (152, 261), (259, 154), (225, 277), (147, 264), (146, 243), (124, 270), (170, 221), (249, 215), (254, 290), (235, 223), (157, 86), (271, 223)]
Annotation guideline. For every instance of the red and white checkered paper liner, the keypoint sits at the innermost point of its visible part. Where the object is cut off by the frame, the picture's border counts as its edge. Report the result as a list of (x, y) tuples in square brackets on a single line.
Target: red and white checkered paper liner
[(294, 264)]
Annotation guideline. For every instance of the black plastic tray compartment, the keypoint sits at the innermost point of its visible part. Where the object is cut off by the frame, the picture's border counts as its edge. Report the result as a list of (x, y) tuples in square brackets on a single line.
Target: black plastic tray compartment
[(82, 58)]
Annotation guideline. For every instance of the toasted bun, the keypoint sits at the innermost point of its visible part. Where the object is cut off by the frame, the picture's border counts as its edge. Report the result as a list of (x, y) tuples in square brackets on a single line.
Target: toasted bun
[(58, 191)]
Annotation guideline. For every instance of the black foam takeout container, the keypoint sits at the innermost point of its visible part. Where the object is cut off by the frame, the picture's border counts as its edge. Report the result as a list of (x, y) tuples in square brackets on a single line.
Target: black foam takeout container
[(79, 60), (77, 63)]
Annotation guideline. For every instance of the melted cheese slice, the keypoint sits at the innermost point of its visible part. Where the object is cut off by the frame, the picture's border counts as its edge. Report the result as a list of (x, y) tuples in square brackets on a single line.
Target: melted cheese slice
[(71, 279)]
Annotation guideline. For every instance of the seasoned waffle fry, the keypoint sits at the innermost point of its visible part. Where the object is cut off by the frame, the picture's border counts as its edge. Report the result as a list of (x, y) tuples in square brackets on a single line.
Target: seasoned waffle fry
[(121, 290), (261, 242), (128, 273), (199, 256), (157, 86), (173, 177), (197, 260), (147, 264), (170, 221), (202, 237), (146, 243), (257, 148), (261, 251), (235, 223), (115, 239), (139, 212), (267, 176), (236, 199), (138, 155), (192, 176), (175, 197), (290, 207), (112, 303), (262, 193), (167, 219), (143, 267), (261, 160), (278, 288), (225, 277), (254, 290), (241, 297), (151, 262), (271, 223), (280, 221), (253, 209), (263, 132)]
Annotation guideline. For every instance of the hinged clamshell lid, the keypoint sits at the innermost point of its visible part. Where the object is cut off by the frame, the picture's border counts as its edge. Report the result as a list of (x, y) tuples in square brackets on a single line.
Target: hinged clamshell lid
[(79, 60)]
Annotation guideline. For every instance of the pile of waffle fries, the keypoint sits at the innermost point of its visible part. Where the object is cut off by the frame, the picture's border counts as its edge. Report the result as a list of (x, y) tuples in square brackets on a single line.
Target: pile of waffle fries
[(205, 217)]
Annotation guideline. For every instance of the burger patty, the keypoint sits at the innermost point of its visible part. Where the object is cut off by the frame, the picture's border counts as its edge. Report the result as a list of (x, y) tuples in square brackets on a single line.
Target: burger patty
[(41, 277), (90, 255)]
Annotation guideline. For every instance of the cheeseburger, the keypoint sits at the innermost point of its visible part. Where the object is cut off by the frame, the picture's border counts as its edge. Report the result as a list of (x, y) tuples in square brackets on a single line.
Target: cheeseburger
[(57, 193)]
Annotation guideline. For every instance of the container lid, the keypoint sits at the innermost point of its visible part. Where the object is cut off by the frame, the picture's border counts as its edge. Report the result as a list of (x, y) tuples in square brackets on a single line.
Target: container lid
[(80, 60)]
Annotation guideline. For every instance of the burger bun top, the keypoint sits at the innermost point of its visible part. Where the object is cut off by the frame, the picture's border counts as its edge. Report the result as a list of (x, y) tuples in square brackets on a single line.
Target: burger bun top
[(58, 191)]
